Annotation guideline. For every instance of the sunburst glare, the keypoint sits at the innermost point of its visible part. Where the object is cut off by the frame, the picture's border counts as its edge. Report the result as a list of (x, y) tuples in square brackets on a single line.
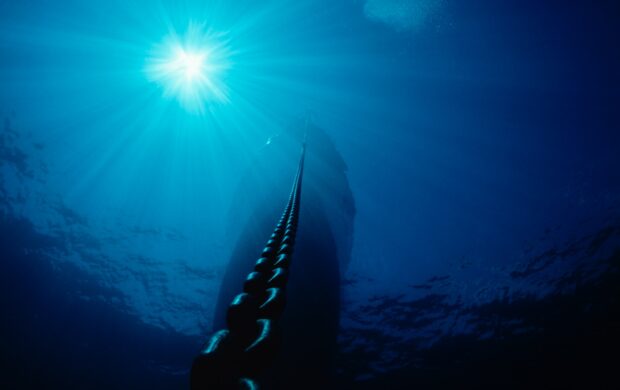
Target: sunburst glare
[(191, 68)]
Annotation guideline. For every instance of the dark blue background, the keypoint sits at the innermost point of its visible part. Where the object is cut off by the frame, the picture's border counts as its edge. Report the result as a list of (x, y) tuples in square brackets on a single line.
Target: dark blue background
[(482, 144)]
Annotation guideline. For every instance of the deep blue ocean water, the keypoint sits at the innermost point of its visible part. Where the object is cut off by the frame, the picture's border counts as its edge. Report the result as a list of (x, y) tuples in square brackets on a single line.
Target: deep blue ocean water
[(482, 149)]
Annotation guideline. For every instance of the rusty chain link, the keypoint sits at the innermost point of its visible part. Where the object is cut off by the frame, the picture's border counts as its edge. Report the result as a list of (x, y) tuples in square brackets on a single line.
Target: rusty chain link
[(234, 357)]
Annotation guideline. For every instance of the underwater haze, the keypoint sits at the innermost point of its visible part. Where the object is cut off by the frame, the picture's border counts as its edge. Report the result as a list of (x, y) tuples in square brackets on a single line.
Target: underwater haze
[(462, 193)]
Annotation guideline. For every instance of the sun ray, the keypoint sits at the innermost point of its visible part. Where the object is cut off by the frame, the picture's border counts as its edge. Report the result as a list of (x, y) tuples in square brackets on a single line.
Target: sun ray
[(191, 68)]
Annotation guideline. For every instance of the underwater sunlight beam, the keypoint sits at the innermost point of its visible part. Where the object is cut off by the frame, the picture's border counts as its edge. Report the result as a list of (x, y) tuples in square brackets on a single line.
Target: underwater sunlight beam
[(190, 68), (188, 65)]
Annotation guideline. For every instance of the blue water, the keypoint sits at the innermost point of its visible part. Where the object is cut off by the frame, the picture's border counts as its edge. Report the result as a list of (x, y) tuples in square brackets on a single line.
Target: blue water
[(481, 141)]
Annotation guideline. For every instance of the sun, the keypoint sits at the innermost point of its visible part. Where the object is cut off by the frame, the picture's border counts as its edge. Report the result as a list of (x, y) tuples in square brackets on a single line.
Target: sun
[(191, 68), (189, 65)]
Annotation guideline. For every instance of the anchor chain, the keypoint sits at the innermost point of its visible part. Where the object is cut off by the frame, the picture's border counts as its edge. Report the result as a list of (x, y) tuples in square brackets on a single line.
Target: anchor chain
[(233, 358)]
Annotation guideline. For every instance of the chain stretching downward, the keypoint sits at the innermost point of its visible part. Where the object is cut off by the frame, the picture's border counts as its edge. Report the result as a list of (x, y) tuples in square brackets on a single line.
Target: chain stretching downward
[(234, 357)]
